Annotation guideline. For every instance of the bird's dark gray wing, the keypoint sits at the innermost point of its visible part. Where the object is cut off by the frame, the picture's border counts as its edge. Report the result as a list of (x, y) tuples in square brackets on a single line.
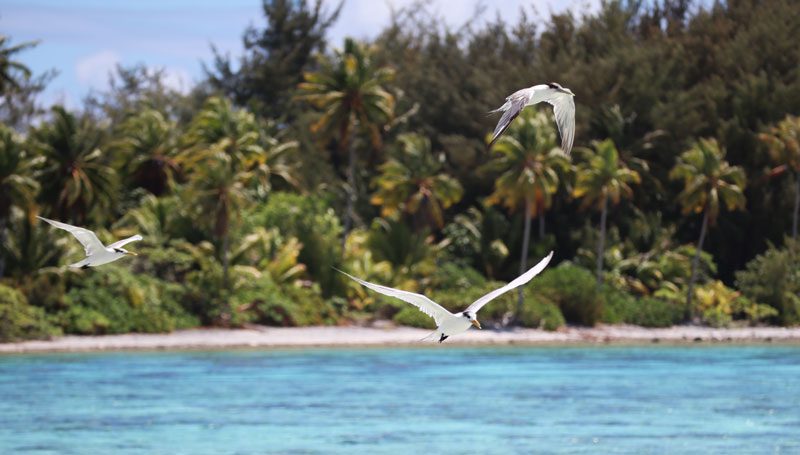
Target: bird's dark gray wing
[(511, 109)]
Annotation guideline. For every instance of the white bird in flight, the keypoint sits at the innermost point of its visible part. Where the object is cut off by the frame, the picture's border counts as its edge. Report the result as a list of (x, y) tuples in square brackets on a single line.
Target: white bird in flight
[(562, 100), (447, 323), (96, 252)]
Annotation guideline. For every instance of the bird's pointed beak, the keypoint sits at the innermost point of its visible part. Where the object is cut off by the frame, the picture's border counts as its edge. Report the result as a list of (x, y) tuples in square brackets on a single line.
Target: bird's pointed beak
[(476, 323), (132, 253)]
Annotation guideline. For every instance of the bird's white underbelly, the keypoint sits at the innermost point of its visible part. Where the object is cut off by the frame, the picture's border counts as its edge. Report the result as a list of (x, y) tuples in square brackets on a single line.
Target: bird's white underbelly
[(455, 325)]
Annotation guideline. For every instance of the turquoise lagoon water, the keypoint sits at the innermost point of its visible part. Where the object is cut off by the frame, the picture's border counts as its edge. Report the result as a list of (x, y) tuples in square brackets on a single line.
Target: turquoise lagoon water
[(712, 399)]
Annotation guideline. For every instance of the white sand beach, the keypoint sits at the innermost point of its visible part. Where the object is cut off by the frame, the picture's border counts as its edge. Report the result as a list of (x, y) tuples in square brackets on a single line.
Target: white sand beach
[(275, 337)]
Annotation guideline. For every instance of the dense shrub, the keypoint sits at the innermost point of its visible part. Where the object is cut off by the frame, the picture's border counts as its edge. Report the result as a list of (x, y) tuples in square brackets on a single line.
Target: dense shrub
[(19, 320), (573, 289), (622, 308), (541, 313), (719, 306), (264, 303), (114, 300), (773, 278), (313, 222)]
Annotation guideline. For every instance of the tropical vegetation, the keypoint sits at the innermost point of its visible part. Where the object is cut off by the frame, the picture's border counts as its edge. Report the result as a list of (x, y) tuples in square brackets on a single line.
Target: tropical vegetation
[(680, 203)]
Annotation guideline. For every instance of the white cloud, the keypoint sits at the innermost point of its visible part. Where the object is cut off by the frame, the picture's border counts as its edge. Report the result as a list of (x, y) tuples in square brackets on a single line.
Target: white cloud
[(93, 70)]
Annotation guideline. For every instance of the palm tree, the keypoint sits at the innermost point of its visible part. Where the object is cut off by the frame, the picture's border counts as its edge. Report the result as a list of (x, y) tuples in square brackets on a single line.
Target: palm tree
[(222, 143), (708, 182), (783, 144), (218, 190), (226, 150), (74, 176), (603, 179), (149, 146), (11, 70), (413, 182), (349, 91), (17, 186), (529, 161)]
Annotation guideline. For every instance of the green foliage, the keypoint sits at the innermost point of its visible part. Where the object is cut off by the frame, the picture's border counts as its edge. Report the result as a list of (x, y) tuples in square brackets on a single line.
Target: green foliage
[(349, 92), (17, 185), (28, 247), (13, 72), (114, 300), (314, 224), (264, 303), (217, 183), (478, 237), (572, 288), (276, 54), (21, 321), (773, 279), (621, 308), (541, 313), (407, 251), (75, 178), (412, 317), (413, 182), (708, 180), (603, 177), (529, 163), (148, 147), (719, 305)]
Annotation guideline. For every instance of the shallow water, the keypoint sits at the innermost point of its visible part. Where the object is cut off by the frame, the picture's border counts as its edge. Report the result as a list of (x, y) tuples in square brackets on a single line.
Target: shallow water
[(730, 399)]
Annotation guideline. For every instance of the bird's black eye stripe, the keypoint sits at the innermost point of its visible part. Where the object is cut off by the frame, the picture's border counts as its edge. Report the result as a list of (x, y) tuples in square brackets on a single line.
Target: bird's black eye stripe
[(466, 315)]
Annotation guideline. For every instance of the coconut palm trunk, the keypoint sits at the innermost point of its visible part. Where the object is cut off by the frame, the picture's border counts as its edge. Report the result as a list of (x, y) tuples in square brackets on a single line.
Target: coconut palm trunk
[(222, 229), (541, 225), (601, 242), (2, 241), (796, 205), (523, 262), (351, 191), (695, 265)]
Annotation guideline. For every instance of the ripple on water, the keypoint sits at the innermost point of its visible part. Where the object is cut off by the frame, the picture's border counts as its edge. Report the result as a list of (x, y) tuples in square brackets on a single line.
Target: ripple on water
[(574, 399)]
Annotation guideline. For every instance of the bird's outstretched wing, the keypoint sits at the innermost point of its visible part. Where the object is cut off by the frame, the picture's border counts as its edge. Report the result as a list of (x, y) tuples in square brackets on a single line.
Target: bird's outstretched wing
[(564, 112), (123, 242), (519, 281), (91, 244), (511, 109), (426, 305)]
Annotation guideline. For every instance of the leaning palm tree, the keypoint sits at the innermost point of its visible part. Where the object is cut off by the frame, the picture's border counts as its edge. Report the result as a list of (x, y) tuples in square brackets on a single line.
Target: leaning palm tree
[(708, 183), (17, 185), (603, 179), (349, 91), (530, 164), (74, 176), (783, 144), (413, 182), (12, 70)]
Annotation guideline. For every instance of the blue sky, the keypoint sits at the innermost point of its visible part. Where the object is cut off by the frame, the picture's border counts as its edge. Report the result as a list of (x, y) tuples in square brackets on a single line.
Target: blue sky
[(84, 39)]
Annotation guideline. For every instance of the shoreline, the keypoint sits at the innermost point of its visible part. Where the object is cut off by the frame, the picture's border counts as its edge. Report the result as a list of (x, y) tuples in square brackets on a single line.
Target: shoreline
[(353, 336)]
